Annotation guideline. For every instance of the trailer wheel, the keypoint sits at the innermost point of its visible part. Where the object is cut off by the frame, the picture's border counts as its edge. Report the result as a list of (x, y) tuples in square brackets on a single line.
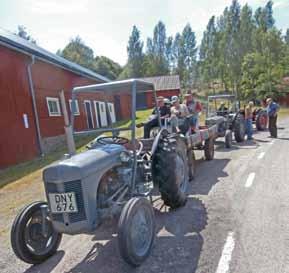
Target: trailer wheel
[(191, 164), (170, 172), (228, 139), (209, 149), (239, 128), (136, 230), (27, 239), (261, 120)]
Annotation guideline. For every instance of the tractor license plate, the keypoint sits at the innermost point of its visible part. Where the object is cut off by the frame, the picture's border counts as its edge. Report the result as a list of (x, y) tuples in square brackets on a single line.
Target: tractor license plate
[(63, 202)]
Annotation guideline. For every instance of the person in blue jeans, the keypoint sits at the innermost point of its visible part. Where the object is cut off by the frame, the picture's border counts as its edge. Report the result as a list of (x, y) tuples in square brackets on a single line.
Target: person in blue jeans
[(249, 120)]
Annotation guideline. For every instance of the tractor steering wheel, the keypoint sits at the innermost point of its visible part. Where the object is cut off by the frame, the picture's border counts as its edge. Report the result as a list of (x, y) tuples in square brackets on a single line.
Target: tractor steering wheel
[(112, 140)]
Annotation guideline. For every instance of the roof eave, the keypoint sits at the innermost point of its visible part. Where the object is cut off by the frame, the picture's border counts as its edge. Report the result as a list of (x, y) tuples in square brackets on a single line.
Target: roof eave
[(14, 46)]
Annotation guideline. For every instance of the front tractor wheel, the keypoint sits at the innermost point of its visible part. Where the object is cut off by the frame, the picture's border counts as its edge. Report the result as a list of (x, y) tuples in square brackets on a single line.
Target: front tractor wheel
[(136, 230), (209, 148), (170, 171), (33, 240), (240, 128), (228, 139)]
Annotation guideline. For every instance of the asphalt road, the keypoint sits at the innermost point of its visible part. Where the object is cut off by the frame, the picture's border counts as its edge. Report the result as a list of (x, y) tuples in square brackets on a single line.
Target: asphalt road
[(236, 220)]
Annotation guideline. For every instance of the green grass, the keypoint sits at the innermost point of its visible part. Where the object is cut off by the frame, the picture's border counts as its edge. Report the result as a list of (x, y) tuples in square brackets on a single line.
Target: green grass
[(283, 112), (20, 170)]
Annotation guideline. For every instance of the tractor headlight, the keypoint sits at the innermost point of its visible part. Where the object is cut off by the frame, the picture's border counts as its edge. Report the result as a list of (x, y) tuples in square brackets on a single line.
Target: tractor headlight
[(125, 157)]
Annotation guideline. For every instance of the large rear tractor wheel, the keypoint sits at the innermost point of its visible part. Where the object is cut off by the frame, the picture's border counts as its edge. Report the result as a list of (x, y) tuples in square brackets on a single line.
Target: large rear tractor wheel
[(136, 230), (261, 120), (32, 240), (239, 128), (209, 149), (170, 171)]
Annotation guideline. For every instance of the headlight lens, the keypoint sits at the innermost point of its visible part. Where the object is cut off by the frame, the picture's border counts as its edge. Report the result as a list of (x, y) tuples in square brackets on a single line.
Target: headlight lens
[(124, 157)]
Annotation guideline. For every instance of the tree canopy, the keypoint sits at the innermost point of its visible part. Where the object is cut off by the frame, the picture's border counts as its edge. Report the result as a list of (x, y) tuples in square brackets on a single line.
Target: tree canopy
[(77, 51), (22, 32)]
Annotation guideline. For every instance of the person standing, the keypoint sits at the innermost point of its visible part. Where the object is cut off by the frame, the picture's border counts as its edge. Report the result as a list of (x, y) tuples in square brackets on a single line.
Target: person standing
[(194, 108), (272, 110), (249, 120)]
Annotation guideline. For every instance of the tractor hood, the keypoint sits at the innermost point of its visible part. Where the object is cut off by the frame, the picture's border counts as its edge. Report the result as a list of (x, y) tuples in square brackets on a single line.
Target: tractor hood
[(214, 120), (83, 164)]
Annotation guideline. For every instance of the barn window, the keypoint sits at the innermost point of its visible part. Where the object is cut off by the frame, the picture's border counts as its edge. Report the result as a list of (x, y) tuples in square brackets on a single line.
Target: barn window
[(76, 109), (53, 107)]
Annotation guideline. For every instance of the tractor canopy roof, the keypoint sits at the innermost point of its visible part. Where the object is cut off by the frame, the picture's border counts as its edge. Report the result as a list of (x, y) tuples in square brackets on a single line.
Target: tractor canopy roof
[(222, 96), (129, 86)]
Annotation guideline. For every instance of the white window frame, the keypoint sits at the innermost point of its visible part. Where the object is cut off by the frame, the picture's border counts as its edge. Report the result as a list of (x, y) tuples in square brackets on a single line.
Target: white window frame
[(77, 113), (58, 114)]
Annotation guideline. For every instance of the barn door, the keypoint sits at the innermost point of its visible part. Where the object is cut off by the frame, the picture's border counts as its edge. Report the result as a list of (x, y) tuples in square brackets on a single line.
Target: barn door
[(89, 117), (111, 112), (102, 113), (117, 107), (141, 101)]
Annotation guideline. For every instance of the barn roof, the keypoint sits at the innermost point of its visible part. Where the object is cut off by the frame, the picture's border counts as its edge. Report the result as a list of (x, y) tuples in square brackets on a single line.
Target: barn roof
[(17, 43), (169, 82)]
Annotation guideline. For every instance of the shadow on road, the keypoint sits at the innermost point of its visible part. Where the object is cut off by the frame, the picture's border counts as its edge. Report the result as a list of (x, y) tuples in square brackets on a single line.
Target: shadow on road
[(205, 179), (48, 265), (177, 246), (247, 144), (283, 138)]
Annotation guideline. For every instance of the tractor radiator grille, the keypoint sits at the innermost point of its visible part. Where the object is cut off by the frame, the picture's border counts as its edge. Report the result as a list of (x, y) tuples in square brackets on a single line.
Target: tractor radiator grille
[(75, 186), (71, 186)]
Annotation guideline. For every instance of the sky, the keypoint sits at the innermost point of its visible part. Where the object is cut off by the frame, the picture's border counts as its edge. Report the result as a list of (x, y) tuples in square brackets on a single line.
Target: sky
[(105, 25)]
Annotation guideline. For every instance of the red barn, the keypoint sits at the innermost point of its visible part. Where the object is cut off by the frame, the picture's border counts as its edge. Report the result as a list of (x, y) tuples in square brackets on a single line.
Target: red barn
[(166, 86), (31, 120)]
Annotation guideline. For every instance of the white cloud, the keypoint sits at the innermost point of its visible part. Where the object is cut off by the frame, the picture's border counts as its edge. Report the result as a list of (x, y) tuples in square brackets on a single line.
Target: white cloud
[(281, 4), (57, 7)]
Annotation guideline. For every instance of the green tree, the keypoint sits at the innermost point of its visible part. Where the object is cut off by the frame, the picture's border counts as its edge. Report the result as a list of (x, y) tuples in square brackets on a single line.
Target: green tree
[(107, 67), (247, 29), (286, 37), (157, 62), (232, 45), (264, 17), (209, 53), (135, 54), (76, 51), (188, 50), (263, 70), (22, 32)]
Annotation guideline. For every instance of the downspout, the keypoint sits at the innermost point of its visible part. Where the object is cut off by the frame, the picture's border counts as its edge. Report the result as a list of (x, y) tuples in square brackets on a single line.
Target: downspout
[(36, 118)]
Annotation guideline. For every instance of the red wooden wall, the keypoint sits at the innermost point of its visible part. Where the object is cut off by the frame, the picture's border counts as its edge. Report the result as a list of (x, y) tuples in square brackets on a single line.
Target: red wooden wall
[(16, 142), (164, 93)]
